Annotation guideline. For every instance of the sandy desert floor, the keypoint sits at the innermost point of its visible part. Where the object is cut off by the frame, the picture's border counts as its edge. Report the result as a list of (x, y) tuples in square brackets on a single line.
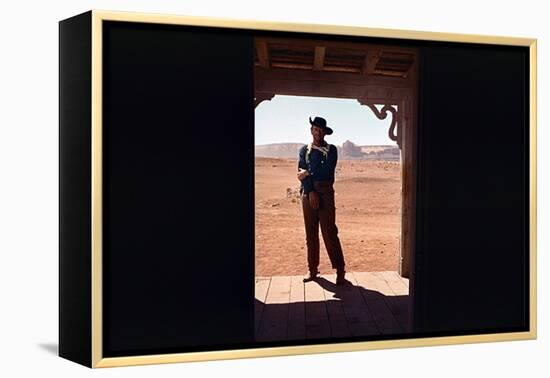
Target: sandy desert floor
[(368, 205)]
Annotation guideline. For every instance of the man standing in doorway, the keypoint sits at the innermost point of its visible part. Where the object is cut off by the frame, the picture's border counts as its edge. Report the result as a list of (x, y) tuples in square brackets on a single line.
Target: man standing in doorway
[(316, 166)]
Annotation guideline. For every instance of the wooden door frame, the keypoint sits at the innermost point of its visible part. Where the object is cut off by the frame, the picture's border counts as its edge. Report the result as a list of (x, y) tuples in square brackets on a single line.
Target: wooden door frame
[(271, 82)]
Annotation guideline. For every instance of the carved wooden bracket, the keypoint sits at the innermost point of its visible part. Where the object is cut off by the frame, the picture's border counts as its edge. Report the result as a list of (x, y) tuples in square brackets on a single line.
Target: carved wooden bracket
[(262, 97), (394, 131)]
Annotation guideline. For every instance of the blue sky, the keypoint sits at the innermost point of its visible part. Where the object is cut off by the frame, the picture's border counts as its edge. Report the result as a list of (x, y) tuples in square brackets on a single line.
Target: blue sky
[(285, 119)]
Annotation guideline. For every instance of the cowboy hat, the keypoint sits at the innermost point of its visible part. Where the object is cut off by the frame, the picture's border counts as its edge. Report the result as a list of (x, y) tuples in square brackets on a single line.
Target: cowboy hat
[(322, 123)]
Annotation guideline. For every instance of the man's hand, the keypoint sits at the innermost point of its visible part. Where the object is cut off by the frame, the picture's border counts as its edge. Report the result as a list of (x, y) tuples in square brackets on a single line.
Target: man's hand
[(313, 200), (302, 173)]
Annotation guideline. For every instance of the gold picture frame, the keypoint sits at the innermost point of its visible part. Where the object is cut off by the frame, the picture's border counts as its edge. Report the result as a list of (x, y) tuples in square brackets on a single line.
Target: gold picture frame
[(98, 17)]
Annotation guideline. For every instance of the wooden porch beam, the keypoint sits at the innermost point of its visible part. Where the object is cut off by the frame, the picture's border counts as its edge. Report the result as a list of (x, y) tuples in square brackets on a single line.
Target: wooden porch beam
[(330, 89), (263, 53), (373, 56), (365, 47), (260, 97), (319, 58), (279, 74)]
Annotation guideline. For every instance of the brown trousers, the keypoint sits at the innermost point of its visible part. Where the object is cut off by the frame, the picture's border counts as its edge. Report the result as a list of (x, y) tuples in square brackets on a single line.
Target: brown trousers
[(325, 215)]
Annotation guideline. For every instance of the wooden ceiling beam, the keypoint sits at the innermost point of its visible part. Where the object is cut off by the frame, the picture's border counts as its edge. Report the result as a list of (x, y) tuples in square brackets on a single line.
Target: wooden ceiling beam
[(297, 66), (358, 46), (372, 58), (319, 58), (263, 53), (331, 90), (304, 74), (392, 73)]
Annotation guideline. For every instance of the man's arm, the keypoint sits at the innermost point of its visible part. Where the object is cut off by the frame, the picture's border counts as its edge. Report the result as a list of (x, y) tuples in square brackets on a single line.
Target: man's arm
[(306, 181), (332, 158)]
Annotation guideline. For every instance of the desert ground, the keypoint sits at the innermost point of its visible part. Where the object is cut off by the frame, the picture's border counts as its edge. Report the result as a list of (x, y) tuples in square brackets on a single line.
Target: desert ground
[(368, 206)]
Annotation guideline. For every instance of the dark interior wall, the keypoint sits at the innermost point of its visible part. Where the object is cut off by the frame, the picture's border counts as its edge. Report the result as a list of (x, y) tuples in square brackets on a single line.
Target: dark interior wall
[(178, 188), (75, 312), (473, 189)]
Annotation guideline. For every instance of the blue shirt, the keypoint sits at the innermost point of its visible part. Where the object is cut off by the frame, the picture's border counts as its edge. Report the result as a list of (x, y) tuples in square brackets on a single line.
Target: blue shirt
[(320, 168)]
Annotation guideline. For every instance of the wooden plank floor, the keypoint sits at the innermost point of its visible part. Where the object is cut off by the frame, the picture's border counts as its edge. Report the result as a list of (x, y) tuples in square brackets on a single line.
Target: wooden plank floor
[(371, 303)]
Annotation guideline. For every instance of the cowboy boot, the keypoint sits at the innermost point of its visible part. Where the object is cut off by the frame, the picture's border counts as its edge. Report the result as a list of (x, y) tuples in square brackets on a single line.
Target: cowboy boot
[(340, 277), (311, 276)]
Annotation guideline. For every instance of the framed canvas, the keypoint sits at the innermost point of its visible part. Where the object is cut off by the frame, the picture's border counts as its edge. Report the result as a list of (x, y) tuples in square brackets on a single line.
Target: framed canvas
[(237, 188)]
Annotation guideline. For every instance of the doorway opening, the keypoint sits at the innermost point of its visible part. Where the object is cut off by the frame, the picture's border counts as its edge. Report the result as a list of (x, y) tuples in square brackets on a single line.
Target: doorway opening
[(373, 195)]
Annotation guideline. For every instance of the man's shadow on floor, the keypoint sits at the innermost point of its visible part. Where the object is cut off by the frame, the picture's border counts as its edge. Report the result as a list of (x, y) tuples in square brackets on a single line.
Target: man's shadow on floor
[(344, 290), (359, 305)]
